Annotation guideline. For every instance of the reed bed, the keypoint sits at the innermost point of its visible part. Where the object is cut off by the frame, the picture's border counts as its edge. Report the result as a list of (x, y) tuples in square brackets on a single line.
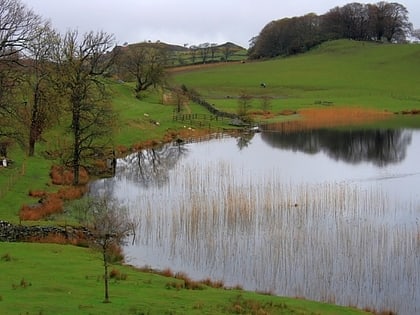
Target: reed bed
[(334, 242)]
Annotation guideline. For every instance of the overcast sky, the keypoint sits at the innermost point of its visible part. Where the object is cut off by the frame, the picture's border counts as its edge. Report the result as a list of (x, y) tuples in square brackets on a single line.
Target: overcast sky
[(181, 22)]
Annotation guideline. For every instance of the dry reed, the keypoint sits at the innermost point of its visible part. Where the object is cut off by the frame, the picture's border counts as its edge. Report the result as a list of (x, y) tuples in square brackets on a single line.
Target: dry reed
[(331, 242)]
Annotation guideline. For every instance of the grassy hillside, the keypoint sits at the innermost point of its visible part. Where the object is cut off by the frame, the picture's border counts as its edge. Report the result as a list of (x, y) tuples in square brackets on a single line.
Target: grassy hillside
[(52, 279), (345, 73)]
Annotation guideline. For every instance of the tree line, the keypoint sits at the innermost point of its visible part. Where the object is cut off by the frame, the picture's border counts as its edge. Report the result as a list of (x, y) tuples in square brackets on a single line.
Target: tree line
[(48, 78), (382, 21)]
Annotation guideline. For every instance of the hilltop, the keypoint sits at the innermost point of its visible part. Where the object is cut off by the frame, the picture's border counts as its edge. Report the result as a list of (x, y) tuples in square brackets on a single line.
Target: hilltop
[(184, 48), (177, 55)]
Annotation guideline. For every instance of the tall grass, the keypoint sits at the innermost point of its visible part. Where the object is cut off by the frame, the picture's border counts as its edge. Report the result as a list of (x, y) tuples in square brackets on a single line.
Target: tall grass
[(334, 242)]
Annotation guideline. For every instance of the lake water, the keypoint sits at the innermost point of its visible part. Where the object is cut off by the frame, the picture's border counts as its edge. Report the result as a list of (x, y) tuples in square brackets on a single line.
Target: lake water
[(326, 215)]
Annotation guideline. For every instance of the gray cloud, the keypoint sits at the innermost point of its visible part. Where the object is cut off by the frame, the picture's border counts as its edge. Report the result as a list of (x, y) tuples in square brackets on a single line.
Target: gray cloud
[(182, 21)]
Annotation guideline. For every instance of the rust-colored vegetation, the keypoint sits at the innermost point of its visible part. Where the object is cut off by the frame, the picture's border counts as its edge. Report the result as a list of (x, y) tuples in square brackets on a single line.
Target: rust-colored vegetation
[(52, 202), (55, 239), (383, 312), (332, 117), (61, 175), (46, 206), (117, 275)]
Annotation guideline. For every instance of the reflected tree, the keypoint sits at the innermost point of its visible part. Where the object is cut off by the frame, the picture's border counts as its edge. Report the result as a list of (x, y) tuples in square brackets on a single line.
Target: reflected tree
[(380, 147), (151, 166), (244, 140)]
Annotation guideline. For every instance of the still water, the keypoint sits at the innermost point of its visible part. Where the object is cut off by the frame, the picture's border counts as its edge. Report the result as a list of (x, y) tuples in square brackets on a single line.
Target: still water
[(325, 215)]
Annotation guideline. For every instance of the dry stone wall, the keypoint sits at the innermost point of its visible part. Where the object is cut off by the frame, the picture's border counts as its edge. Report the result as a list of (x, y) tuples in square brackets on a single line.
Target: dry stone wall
[(19, 233)]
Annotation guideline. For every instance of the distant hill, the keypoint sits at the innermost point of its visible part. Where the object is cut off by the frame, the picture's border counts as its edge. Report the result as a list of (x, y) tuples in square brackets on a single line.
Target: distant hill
[(181, 55), (175, 47)]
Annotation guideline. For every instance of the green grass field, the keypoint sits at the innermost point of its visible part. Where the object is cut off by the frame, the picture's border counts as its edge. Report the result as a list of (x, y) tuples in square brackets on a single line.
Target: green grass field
[(343, 73), (54, 279)]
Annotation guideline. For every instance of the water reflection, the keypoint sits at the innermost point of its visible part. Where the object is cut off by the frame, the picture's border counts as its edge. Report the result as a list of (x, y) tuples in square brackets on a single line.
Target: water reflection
[(380, 147), (272, 218), (150, 167)]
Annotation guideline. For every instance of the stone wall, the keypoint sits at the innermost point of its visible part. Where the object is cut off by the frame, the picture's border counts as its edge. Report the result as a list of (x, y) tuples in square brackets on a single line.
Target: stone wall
[(19, 233)]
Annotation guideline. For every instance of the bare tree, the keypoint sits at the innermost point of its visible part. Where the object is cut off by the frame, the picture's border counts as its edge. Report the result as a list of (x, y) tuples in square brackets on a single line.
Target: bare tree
[(146, 64), (397, 25), (244, 105), (180, 98), (41, 98), (266, 103), (193, 53), (17, 25), (213, 50), (227, 52), (81, 64), (10, 102), (204, 50), (416, 34), (17, 28), (111, 225)]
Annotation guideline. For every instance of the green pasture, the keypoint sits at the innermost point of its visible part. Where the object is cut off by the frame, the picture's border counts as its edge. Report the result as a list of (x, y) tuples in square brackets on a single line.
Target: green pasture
[(342, 73), (148, 118), (16, 181), (57, 279)]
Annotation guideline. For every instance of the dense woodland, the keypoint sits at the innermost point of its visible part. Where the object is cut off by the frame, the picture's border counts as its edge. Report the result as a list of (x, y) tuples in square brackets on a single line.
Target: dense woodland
[(382, 21)]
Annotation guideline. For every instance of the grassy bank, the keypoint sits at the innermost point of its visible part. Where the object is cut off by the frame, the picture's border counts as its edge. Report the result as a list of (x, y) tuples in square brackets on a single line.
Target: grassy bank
[(53, 279)]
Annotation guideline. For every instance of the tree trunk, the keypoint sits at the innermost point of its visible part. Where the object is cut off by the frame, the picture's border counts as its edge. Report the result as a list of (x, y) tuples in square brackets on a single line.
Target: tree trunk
[(76, 147), (104, 247), (34, 127), (31, 150)]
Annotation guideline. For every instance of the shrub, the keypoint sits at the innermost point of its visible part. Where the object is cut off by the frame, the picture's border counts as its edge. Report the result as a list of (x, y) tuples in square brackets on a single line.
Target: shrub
[(174, 284), (23, 284), (6, 257), (61, 239), (115, 254), (188, 282), (61, 175), (72, 192), (37, 193), (49, 205), (167, 273), (117, 275), (213, 284)]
